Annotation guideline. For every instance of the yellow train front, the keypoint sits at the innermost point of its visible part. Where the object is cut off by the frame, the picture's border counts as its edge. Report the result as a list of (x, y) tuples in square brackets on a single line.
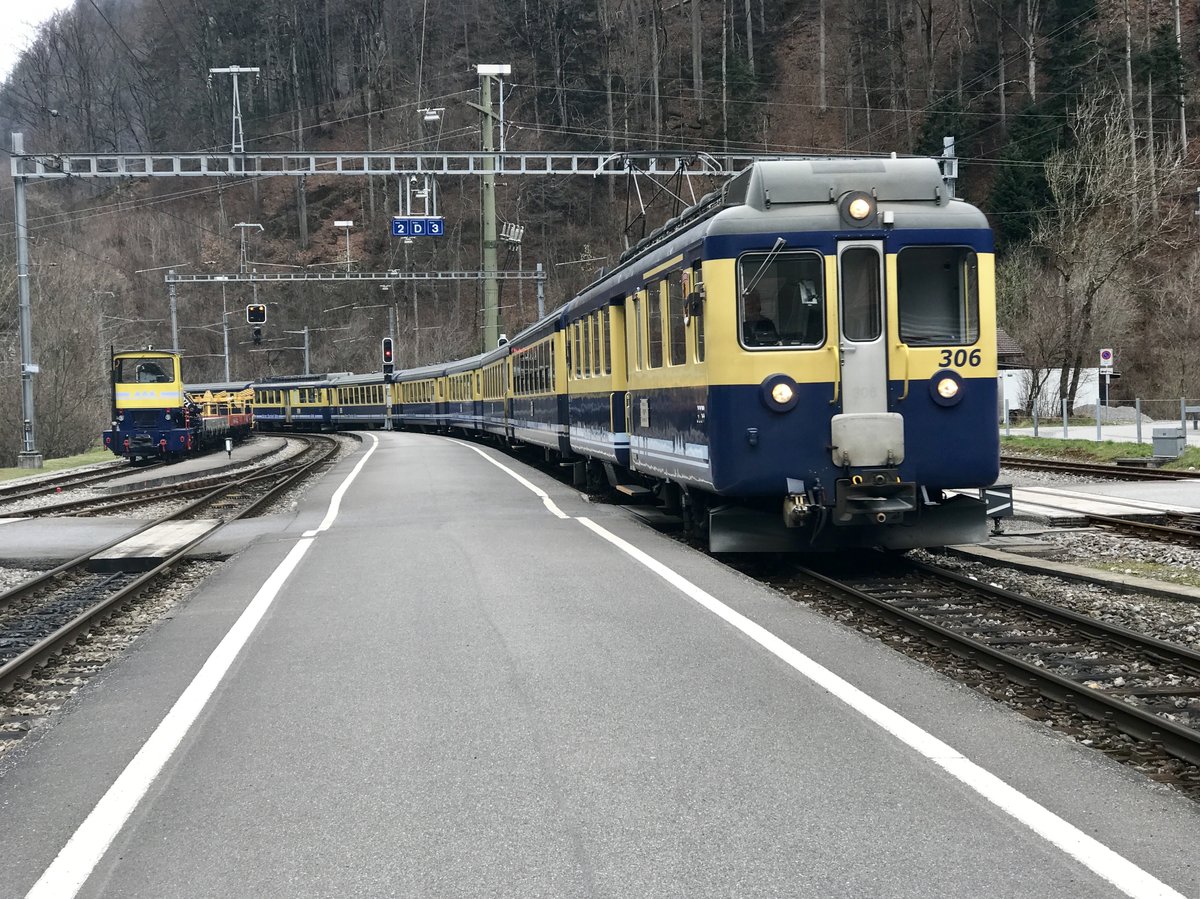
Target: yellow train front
[(154, 416)]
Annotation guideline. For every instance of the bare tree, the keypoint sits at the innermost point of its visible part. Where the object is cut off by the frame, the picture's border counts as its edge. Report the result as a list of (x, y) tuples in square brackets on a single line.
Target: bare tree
[(1094, 235)]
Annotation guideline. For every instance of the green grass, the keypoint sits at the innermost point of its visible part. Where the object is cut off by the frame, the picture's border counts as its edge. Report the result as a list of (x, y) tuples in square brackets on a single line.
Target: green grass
[(91, 457), (1091, 450), (1155, 572)]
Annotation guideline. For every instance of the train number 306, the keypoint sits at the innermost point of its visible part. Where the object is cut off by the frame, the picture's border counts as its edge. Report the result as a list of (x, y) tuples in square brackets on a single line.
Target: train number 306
[(959, 358)]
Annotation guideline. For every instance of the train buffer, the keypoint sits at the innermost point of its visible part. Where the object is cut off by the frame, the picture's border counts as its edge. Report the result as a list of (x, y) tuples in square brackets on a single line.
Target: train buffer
[(147, 550)]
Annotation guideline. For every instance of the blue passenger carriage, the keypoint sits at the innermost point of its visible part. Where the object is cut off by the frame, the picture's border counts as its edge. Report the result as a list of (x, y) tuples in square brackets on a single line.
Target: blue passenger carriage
[(538, 411), (360, 401), (294, 404), (421, 396)]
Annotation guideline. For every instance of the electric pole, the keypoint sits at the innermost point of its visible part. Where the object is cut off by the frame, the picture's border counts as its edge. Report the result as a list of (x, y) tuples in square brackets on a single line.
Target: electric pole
[(491, 287)]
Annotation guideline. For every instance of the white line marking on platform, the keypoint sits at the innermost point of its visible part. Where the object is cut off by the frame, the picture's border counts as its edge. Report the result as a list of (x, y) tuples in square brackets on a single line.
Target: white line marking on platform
[(12, 520), (1116, 869), (537, 491), (1108, 864), (335, 504), (79, 857)]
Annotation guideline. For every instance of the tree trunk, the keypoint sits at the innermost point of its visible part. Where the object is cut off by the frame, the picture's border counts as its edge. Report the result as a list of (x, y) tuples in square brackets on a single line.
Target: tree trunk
[(1003, 79), (725, 74), (1129, 96), (1182, 97), (697, 62), (821, 31), (656, 74), (301, 189), (1032, 22), (749, 38)]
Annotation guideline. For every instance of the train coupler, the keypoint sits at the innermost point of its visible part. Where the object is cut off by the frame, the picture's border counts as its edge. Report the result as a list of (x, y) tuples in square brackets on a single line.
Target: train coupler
[(874, 497)]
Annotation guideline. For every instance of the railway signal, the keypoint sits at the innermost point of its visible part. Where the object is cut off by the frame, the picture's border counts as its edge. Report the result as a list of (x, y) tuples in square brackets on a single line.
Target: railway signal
[(389, 364), (257, 336), (256, 314)]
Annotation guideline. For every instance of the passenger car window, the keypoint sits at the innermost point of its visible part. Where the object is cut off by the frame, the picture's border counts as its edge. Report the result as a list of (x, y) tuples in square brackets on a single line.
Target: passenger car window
[(654, 320)]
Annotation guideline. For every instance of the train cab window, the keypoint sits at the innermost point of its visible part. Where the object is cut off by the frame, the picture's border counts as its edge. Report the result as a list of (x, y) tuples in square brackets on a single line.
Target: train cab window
[(781, 300), (938, 290), (654, 320), (676, 328), (145, 371)]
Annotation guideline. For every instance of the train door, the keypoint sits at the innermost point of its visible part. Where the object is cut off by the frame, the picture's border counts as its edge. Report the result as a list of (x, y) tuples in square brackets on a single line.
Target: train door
[(865, 433)]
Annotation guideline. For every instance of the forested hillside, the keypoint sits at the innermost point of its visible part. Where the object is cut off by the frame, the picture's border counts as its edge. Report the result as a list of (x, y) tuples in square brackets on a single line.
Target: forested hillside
[(1071, 118)]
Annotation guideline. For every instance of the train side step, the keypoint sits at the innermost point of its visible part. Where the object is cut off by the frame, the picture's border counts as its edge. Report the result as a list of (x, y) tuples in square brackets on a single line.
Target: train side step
[(633, 491)]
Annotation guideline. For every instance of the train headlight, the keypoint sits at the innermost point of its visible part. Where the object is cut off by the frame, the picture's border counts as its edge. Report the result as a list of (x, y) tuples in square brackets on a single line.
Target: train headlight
[(779, 393), (858, 209), (947, 388)]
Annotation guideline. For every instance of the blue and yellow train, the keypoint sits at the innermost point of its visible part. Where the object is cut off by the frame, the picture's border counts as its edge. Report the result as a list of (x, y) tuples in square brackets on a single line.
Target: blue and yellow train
[(154, 416), (805, 359)]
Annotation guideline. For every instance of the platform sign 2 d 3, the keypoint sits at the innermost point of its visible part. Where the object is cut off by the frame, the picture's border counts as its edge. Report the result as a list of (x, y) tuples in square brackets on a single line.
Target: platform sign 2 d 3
[(1106, 361), (418, 226)]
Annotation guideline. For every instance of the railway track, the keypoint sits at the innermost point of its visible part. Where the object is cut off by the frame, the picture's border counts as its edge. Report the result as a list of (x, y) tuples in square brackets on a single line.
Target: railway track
[(21, 489), (1097, 470), (193, 488), (1143, 687), (1185, 531), (45, 613)]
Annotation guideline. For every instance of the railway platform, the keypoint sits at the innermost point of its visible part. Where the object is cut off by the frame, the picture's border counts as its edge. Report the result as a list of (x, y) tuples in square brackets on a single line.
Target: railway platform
[(449, 675)]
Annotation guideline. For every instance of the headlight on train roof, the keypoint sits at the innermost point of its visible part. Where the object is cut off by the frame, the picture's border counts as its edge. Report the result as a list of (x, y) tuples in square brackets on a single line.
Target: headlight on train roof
[(778, 392), (857, 209), (947, 387)]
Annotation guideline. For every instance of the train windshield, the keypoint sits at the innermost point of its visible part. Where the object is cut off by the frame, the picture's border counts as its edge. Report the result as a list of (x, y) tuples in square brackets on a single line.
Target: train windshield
[(144, 371), (938, 295), (782, 299)]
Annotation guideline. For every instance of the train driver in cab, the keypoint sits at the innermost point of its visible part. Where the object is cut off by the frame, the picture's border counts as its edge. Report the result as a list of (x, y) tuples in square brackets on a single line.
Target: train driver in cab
[(757, 328)]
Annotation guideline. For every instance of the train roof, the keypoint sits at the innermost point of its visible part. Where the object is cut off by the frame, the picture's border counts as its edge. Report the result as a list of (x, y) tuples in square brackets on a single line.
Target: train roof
[(425, 371), (469, 363), (349, 377), (774, 197), (218, 386), (287, 383)]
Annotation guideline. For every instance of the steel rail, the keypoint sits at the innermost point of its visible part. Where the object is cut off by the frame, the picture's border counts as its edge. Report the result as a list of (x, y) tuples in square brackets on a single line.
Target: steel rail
[(1175, 739), (19, 491), (1165, 532), (33, 656), (1120, 472)]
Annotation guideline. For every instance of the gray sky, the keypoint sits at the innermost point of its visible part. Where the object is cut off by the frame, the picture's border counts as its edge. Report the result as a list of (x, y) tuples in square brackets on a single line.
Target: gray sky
[(18, 23)]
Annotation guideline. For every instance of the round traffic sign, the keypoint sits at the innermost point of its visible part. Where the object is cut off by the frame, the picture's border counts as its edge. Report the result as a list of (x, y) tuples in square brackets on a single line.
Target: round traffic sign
[(1106, 357)]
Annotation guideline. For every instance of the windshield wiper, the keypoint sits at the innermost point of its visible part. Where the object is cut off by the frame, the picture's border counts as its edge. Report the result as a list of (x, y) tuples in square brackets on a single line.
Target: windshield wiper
[(780, 243)]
